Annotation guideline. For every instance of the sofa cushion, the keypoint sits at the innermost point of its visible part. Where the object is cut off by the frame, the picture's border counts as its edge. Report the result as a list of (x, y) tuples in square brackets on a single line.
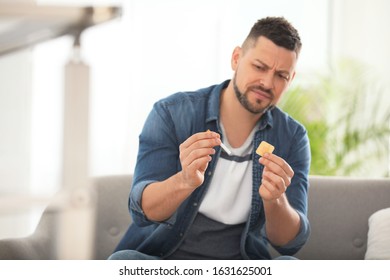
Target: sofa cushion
[(378, 240)]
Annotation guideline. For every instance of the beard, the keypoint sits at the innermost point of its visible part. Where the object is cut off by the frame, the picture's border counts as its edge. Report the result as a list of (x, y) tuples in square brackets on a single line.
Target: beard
[(243, 99)]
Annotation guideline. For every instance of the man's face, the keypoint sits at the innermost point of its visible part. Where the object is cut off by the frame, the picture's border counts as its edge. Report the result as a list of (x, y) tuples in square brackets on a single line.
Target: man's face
[(262, 74)]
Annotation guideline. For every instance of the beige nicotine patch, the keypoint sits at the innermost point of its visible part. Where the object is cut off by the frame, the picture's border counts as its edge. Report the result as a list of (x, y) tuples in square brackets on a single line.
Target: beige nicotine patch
[(264, 147)]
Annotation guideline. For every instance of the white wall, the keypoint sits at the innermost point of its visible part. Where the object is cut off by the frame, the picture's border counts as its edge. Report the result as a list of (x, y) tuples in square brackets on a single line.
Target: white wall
[(15, 135), (15, 108), (360, 32), (360, 29)]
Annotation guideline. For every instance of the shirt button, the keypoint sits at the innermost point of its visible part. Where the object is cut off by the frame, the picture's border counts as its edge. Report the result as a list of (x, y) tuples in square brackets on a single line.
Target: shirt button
[(195, 204), (209, 173), (181, 234)]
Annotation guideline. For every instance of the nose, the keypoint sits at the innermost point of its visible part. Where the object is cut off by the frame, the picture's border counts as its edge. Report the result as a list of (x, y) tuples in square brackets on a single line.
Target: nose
[(267, 80)]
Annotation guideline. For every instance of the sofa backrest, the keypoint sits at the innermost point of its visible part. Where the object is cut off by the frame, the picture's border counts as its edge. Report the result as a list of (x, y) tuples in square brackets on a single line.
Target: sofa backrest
[(339, 208)]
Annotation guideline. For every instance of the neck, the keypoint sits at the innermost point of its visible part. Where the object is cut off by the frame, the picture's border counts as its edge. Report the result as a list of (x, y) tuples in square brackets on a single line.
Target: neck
[(237, 121)]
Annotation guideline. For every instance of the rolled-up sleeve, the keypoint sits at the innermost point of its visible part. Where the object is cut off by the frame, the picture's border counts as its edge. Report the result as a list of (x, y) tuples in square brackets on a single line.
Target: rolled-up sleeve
[(300, 239), (157, 158), (135, 206)]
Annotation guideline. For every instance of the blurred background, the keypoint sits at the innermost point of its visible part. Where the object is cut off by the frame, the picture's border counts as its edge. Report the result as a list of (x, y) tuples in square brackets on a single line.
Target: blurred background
[(154, 48)]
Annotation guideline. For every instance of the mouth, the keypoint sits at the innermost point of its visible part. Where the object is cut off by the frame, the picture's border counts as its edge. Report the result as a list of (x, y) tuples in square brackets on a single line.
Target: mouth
[(261, 94)]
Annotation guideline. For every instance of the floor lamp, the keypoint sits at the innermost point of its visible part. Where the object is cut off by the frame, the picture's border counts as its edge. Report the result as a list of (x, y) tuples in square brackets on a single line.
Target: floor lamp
[(77, 220)]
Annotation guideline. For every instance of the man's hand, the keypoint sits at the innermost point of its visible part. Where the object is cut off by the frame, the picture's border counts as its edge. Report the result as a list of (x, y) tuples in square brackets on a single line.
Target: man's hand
[(161, 199), (277, 175), (282, 221), (195, 155)]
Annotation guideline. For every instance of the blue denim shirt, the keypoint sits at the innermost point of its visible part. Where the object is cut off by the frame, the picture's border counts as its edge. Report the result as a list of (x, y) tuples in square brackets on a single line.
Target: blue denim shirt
[(174, 119)]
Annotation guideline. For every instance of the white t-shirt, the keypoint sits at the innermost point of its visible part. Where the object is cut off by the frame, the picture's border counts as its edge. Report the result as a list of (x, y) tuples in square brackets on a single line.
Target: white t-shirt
[(228, 199)]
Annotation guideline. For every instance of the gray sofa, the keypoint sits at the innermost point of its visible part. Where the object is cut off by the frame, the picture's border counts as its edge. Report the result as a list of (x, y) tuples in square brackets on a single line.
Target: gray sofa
[(339, 209)]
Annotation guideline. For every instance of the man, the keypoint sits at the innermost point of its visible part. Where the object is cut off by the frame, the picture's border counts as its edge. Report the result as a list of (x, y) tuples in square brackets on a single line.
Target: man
[(192, 200)]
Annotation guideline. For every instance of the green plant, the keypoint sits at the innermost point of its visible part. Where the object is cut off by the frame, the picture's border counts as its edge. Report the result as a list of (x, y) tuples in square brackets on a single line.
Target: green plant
[(347, 116)]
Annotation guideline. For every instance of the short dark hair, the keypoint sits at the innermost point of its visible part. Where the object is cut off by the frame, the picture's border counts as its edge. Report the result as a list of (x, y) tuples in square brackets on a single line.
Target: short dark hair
[(276, 29)]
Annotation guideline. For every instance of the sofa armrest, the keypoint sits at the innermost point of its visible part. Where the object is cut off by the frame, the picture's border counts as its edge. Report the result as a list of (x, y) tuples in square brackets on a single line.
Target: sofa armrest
[(38, 246)]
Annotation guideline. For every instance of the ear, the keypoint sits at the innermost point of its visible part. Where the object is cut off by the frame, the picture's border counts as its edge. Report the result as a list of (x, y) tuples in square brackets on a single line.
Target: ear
[(235, 57), (292, 77), (291, 80)]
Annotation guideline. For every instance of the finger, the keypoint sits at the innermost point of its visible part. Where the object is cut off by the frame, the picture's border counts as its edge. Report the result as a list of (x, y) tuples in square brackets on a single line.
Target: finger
[(278, 177), (200, 164), (278, 161), (199, 141), (189, 156), (278, 166), (275, 180), (207, 135), (194, 173), (267, 191)]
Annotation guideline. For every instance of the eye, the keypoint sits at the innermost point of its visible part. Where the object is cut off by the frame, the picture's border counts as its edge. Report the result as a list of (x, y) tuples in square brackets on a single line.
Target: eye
[(259, 67), (284, 76)]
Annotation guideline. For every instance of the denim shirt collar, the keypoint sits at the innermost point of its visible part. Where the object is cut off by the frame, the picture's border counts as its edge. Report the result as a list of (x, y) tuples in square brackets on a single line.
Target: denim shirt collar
[(214, 102)]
